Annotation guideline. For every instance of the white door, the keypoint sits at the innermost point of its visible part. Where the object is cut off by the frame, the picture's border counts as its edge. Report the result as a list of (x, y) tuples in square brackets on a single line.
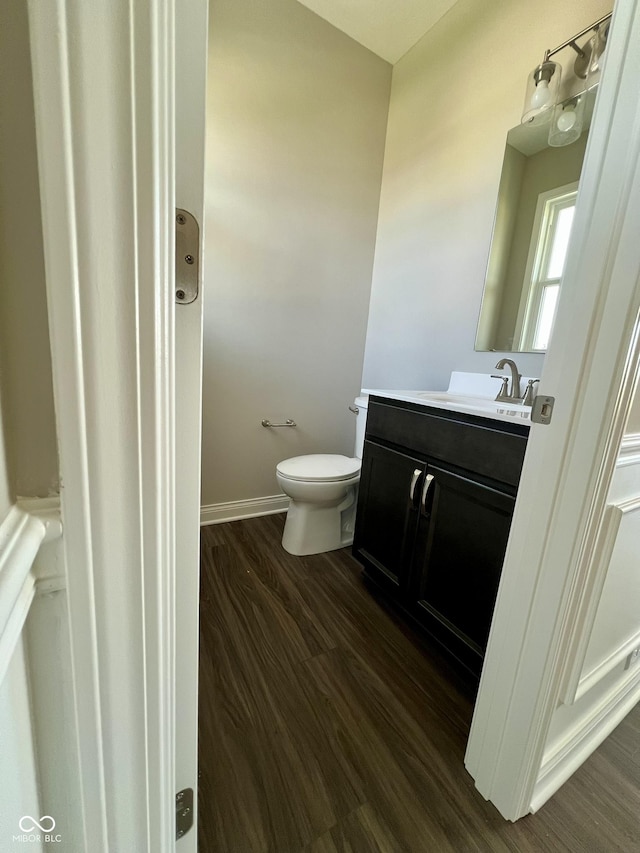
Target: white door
[(115, 160), (191, 65), (538, 716)]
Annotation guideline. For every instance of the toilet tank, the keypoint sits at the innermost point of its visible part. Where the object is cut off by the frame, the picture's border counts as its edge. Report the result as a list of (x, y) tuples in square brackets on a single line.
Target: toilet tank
[(362, 404)]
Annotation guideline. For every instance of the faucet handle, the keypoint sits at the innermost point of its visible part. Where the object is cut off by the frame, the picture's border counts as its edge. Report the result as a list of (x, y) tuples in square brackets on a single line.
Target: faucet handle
[(504, 390), (529, 395)]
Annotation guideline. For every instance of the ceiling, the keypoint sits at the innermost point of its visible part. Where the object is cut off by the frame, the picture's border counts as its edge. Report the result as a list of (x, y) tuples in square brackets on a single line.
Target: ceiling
[(387, 27)]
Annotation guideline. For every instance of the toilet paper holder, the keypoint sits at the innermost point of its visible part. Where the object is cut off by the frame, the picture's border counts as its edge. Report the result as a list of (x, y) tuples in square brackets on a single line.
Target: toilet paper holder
[(288, 423)]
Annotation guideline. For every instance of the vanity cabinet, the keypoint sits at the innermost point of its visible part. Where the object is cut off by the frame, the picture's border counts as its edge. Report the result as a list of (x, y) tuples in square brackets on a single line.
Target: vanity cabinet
[(387, 513), (436, 499)]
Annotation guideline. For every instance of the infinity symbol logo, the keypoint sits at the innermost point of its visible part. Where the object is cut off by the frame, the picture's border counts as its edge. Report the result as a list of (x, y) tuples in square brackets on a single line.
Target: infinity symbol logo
[(45, 824)]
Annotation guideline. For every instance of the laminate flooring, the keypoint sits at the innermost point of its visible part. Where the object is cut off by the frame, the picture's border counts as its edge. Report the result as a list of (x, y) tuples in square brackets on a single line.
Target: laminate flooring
[(326, 726)]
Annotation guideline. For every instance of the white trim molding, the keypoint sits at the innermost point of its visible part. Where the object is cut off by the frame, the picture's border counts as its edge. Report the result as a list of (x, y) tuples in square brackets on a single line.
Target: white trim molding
[(46, 510), (595, 676), (585, 736), (25, 528), (629, 449), (103, 79), (249, 508), (594, 567), (597, 571)]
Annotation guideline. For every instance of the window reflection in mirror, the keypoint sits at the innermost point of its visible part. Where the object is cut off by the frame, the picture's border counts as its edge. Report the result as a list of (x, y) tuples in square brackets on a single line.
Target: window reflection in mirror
[(547, 255), (534, 215)]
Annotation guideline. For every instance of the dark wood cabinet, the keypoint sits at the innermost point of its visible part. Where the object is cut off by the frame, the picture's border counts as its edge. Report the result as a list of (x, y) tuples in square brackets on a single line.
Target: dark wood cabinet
[(459, 550), (390, 481), (433, 517)]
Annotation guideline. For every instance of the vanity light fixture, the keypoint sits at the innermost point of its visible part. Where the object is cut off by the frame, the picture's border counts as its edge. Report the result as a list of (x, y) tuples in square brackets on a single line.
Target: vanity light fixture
[(542, 102)]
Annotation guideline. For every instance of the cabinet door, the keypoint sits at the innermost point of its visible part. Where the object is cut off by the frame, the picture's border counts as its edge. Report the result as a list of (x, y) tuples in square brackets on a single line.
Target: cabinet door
[(459, 550), (390, 484)]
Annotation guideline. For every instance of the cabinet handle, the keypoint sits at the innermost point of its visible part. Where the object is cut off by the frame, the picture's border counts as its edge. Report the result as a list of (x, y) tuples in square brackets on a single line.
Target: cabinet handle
[(414, 480), (425, 491)]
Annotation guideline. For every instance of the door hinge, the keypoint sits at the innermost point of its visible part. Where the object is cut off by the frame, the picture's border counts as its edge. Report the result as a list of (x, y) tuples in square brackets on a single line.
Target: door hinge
[(184, 812), (542, 409), (187, 257)]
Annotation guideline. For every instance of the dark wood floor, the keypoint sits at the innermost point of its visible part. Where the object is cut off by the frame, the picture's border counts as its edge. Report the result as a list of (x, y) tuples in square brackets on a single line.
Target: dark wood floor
[(326, 727)]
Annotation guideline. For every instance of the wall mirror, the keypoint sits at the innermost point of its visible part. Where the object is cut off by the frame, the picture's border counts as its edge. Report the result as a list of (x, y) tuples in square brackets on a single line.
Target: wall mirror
[(534, 215)]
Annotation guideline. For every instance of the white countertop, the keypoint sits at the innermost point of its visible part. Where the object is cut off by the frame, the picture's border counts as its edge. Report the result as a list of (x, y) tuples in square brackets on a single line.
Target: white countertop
[(470, 393)]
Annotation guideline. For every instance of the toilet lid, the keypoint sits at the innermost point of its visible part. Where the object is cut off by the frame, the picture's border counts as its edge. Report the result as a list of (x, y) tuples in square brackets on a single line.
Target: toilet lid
[(318, 467)]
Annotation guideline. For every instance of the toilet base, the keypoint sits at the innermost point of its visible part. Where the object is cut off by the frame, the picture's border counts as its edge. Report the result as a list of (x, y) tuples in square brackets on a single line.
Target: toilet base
[(313, 528)]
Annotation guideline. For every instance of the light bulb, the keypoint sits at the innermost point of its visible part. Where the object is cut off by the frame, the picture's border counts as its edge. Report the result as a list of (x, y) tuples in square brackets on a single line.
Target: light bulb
[(542, 96), (566, 120), (542, 91)]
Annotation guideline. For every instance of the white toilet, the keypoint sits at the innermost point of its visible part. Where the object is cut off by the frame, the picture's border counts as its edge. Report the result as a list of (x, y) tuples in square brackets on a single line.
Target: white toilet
[(323, 489)]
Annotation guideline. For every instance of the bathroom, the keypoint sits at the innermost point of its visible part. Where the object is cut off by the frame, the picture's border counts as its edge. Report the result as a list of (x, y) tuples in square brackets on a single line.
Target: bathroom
[(333, 221), (350, 199), (334, 214)]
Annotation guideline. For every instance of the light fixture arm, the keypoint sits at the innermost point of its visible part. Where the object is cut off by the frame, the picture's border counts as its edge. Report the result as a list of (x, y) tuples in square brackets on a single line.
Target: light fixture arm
[(577, 49), (571, 42)]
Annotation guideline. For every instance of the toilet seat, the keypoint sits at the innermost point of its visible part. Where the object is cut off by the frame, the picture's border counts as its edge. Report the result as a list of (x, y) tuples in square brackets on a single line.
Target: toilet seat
[(319, 467)]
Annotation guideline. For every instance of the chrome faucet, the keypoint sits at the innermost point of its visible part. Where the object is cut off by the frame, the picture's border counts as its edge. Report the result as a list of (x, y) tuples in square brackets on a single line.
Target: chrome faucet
[(504, 395)]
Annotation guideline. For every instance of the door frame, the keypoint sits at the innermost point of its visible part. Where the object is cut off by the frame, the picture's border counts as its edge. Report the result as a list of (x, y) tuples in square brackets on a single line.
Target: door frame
[(547, 598), (191, 44), (104, 103)]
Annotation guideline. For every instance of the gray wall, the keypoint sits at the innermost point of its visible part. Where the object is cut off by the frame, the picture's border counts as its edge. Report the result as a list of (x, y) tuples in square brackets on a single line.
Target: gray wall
[(296, 119), (5, 491), (454, 96), (25, 359)]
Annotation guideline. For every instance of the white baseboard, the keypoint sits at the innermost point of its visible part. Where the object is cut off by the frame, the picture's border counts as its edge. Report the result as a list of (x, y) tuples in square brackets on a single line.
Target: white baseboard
[(235, 510), (588, 733)]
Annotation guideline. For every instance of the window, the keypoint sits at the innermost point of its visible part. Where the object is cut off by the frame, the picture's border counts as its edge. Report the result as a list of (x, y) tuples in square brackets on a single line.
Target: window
[(547, 258)]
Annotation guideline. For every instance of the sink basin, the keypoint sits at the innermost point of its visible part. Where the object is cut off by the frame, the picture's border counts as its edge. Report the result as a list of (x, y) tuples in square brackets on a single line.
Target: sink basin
[(471, 393), (445, 397), (472, 403)]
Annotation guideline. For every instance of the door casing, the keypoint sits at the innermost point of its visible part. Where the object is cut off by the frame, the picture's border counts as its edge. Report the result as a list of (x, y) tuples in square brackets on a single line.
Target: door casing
[(544, 608)]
